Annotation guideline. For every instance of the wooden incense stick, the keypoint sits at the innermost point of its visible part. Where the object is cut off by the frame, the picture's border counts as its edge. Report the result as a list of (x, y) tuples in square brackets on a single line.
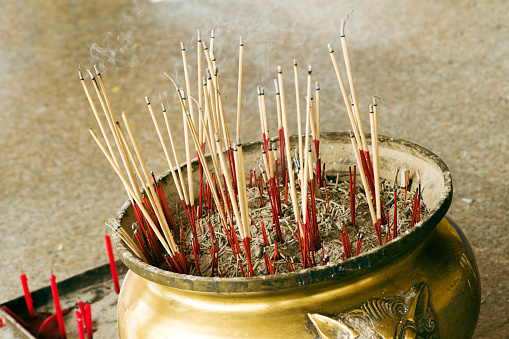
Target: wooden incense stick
[(351, 116), (364, 145), (374, 145), (150, 193), (99, 121), (298, 111), (165, 149), (130, 191), (355, 150), (291, 179), (239, 86), (305, 169), (212, 41), (317, 110), (199, 78), (181, 188), (186, 132), (229, 185), (206, 171)]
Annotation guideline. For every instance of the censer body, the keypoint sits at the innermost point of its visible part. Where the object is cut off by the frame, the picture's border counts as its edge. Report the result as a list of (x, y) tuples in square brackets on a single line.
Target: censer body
[(423, 284)]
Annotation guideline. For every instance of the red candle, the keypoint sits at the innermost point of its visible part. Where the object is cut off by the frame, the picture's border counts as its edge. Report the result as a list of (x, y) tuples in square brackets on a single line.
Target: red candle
[(81, 306), (113, 267), (79, 322), (28, 296), (56, 301), (88, 320)]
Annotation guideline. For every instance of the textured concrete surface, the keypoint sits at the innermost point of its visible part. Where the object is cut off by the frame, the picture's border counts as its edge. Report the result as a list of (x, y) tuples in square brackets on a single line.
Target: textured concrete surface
[(440, 67)]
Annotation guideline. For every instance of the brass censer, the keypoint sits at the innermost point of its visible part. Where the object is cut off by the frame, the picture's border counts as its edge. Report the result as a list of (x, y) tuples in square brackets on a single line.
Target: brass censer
[(423, 284)]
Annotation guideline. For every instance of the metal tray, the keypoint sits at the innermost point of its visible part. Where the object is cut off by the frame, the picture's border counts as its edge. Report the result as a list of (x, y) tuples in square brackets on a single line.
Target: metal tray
[(94, 286)]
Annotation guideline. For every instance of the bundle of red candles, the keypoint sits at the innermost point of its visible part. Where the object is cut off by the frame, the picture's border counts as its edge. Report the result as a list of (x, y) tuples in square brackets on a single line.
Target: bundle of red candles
[(83, 313)]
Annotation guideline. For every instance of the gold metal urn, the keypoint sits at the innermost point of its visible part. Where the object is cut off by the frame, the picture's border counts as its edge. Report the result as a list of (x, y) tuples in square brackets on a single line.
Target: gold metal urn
[(423, 284)]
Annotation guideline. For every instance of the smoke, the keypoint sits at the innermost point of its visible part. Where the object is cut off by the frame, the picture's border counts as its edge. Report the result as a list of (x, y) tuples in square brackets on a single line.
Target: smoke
[(274, 33)]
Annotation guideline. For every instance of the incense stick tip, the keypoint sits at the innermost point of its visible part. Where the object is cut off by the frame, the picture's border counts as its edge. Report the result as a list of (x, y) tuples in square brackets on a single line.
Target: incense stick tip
[(310, 69), (147, 101), (212, 35), (342, 28), (163, 108), (182, 46), (80, 74), (91, 75), (370, 108), (279, 69), (375, 101), (241, 41), (97, 70), (276, 86), (317, 86), (263, 148), (294, 62), (330, 48), (351, 134)]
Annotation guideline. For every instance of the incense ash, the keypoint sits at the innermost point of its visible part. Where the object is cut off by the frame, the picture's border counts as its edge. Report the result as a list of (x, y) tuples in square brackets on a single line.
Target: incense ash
[(329, 217), (290, 215)]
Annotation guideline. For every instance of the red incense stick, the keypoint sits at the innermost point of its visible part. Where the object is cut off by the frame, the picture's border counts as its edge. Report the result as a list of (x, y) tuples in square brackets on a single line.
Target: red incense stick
[(56, 301), (28, 296), (81, 306), (113, 267), (359, 244), (79, 322), (395, 222), (406, 187), (88, 321)]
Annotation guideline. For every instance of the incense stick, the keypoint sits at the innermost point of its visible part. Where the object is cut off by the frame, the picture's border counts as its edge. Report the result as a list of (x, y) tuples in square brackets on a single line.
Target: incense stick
[(346, 57), (374, 145), (239, 86), (363, 177), (293, 192), (299, 124), (353, 120)]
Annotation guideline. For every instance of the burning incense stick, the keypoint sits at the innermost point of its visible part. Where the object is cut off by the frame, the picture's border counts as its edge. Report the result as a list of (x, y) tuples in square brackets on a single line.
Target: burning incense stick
[(374, 145), (239, 87), (363, 177), (99, 121), (353, 120), (181, 188), (364, 145), (299, 124), (293, 192)]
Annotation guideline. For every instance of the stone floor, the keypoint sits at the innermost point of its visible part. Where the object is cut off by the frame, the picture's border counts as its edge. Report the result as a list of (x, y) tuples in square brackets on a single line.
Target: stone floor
[(440, 66)]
